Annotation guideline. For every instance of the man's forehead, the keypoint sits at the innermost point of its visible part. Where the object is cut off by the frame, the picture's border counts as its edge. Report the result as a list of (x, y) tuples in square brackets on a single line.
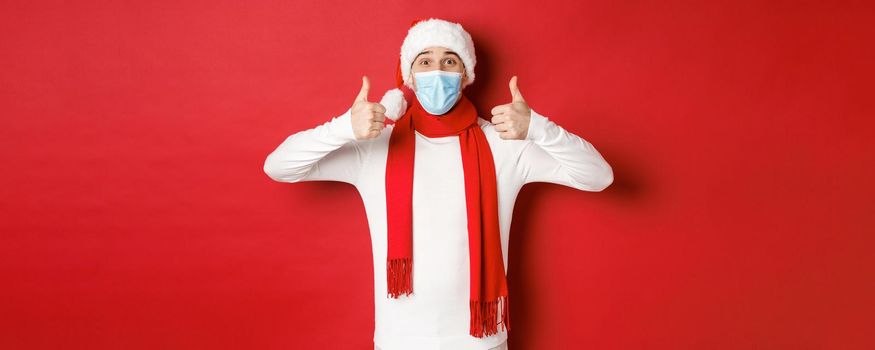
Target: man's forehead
[(434, 50)]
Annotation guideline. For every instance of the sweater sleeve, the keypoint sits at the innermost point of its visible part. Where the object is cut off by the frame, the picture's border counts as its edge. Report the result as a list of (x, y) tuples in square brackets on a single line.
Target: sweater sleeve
[(552, 154), (328, 152)]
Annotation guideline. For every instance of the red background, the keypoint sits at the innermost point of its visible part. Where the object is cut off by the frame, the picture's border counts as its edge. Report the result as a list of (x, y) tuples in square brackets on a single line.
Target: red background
[(136, 214)]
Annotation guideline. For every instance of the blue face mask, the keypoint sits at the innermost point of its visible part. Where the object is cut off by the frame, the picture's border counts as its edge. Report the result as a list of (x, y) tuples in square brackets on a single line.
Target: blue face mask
[(437, 90)]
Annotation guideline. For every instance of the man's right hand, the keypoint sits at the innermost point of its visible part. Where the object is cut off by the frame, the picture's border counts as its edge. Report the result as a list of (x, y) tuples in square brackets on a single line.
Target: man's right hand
[(368, 118)]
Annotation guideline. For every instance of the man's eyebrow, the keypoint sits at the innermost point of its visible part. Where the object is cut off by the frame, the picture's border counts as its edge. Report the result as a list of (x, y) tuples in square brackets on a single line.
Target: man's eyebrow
[(447, 53)]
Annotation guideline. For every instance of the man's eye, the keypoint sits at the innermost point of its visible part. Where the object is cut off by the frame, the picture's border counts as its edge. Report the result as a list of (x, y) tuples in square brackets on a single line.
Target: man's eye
[(451, 61), (423, 62)]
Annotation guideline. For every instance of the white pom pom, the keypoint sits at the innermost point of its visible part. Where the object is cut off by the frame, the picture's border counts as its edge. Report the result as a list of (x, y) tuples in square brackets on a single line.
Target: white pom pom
[(395, 103)]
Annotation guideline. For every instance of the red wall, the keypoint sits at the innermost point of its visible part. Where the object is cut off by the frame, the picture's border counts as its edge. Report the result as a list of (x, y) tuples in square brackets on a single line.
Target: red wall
[(136, 214)]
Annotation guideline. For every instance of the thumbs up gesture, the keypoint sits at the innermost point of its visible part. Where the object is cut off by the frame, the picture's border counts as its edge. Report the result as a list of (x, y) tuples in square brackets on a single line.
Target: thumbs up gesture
[(368, 118), (512, 120)]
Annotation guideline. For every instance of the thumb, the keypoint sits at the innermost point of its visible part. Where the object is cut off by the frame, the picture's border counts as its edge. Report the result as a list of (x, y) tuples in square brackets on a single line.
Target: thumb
[(515, 91), (366, 86)]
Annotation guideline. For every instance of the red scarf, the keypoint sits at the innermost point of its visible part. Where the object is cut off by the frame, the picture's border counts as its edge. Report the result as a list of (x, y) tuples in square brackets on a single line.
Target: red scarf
[(488, 285)]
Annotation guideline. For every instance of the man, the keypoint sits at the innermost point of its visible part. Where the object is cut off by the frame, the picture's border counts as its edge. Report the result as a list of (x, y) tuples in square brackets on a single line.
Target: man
[(439, 187)]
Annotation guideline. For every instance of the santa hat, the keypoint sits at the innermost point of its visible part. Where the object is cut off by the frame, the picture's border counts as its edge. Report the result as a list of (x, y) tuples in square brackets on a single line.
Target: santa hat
[(425, 33)]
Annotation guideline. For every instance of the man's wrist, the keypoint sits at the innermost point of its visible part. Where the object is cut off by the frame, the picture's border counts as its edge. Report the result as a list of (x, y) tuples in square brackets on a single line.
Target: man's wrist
[(341, 126), (537, 123)]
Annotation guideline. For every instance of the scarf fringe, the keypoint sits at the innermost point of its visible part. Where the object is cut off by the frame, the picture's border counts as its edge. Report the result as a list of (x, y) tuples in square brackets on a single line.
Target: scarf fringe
[(399, 273), (485, 318)]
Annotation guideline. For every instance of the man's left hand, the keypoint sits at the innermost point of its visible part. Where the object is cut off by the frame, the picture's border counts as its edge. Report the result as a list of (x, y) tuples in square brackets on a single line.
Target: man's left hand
[(512, 120)]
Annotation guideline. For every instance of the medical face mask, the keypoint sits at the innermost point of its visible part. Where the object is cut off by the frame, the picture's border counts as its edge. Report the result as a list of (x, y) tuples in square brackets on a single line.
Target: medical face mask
[(437, 90)]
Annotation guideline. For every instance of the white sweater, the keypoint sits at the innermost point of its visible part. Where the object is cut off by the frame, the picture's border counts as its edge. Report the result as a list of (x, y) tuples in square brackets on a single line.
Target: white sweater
[(436, 315)]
